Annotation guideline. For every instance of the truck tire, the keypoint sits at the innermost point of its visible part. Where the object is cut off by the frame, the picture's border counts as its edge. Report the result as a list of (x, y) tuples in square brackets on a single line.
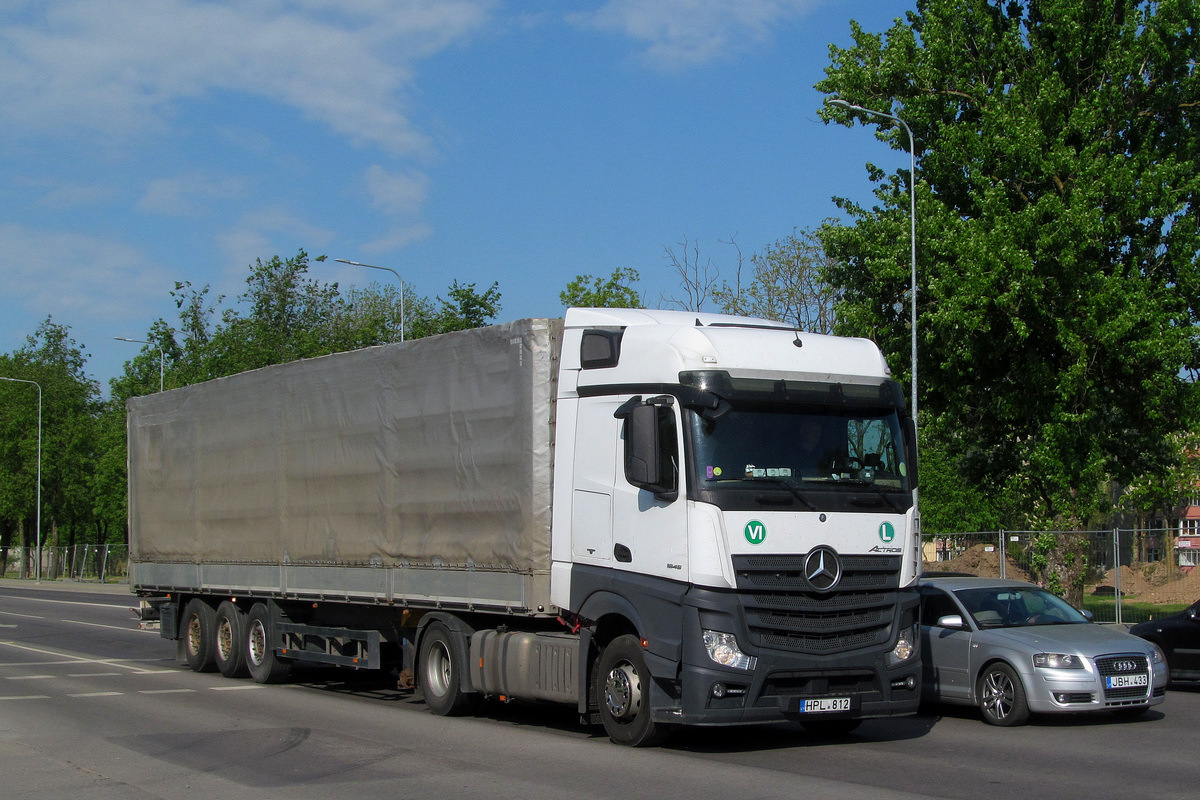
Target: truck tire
[(230, 641), (264, 665), (199, 626), (440, 661), (623, 690)]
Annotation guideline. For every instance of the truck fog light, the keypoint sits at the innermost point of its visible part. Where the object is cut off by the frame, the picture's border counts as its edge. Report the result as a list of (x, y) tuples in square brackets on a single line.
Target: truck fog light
[(718, 690), (723, 649)]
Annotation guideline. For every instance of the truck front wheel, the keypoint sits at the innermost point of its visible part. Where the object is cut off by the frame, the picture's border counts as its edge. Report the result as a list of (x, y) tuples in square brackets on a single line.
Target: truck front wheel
[(264, 665), (441, 682), (623, 689), (199, 625)]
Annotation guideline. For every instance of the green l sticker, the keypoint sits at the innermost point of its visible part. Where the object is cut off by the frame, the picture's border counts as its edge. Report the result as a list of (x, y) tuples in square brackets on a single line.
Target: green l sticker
[(887, 532)]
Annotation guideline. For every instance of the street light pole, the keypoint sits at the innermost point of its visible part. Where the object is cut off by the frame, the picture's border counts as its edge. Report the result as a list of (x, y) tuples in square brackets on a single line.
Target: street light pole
[(389, 269), (161, 357), (912, 199), (38, 566)]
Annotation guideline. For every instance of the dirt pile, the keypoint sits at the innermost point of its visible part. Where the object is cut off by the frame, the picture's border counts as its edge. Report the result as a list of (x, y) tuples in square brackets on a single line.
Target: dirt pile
[(979, 560), (1184, 591), (1141, 578)]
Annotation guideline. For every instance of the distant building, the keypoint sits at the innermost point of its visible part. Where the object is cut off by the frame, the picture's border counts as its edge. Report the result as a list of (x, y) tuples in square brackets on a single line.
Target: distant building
[(1187, 541)]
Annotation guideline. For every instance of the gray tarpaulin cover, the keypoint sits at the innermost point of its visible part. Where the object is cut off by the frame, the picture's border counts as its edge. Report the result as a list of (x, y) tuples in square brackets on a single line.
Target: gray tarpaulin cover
[(434, 452)]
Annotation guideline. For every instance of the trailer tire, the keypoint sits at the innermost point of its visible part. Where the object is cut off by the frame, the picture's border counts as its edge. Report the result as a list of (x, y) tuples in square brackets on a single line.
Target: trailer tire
[(440, 664), (199, 626), (263, 664), (623, 692), (230, 641)]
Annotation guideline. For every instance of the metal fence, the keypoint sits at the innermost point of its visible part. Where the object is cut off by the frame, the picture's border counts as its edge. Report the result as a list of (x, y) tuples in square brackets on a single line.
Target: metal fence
[(1127, 569), (82, 562)]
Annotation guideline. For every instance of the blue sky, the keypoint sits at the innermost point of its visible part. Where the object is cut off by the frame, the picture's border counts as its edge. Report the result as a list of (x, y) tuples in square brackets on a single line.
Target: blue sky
[(152, 141)]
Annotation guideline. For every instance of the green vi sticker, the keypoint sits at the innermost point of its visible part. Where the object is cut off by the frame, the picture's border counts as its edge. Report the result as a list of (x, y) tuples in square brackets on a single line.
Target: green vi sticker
[(887, 532), (756, 532)]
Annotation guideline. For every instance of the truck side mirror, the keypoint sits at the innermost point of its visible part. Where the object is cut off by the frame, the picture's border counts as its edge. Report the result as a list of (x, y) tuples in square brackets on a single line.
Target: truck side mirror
[(651, 449)]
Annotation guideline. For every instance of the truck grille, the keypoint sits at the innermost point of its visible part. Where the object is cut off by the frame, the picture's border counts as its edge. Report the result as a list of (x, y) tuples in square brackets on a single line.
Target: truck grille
[(1130, 664), (784, 611)]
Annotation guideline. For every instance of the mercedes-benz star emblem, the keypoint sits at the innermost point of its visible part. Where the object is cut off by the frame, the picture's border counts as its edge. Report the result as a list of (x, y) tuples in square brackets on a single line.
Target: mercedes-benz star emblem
[(822, 568)]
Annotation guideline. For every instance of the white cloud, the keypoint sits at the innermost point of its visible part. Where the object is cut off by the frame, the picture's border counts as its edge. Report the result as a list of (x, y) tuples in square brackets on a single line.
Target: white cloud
[(396, 193), (118, 68), (188, 195), (683, 33), (78, 277)]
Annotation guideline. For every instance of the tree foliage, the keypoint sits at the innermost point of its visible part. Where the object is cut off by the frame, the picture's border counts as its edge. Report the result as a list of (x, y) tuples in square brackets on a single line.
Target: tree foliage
[(788, 285), (616, 291), (69, 405), (1058, 231)]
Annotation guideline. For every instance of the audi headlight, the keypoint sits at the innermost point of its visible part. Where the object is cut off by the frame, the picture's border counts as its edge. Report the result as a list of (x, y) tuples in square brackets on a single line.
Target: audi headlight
[(1057, 661), (723, 649), (906, 647)]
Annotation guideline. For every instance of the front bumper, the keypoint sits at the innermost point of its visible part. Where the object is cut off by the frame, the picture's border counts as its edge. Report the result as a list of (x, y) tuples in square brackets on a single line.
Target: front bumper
[(1058, 690), (782, 684)]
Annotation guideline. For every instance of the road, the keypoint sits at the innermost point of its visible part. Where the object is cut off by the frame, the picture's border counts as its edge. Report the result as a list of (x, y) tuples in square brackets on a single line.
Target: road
[(91, 707)]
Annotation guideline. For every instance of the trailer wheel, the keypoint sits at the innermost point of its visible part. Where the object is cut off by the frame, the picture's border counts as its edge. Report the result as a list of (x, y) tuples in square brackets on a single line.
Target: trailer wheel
[(623, 690), (230, 642), (264, 665), (441, 680), (199, 625)]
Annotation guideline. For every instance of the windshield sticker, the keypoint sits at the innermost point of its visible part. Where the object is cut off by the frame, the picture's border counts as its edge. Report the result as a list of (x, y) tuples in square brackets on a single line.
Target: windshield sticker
[(713, 472), (768, 472), (755, 531)]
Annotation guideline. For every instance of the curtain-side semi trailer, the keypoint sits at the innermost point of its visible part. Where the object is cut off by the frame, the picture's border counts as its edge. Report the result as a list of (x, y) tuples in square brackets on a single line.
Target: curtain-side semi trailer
[(659, 518)]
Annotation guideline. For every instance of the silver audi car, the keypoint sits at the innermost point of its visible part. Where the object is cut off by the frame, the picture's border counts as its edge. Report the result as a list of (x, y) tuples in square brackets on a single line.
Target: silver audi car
[(1012, 648)]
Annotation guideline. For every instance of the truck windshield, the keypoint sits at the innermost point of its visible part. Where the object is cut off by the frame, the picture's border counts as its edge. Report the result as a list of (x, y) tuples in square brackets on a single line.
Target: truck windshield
[(767, 454)]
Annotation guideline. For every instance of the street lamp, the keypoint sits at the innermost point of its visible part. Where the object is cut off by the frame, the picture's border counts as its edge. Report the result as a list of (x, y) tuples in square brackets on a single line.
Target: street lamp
[(161, 357), (389, 269), (912, 199), (38, 565)]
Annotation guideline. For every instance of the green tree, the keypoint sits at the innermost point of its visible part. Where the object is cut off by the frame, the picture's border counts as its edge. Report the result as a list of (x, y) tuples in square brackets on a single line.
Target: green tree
[(788, 285), (1057, 202), (69, 407), (616, 291)]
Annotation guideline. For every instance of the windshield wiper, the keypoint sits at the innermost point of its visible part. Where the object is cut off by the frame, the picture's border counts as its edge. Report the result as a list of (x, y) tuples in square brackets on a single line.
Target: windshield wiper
[(786, 483)]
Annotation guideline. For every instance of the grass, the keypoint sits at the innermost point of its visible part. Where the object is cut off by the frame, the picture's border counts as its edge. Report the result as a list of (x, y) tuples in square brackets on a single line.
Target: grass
[(1105, 609)]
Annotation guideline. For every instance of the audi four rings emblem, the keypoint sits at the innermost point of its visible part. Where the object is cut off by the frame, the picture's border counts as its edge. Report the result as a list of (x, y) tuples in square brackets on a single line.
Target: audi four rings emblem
[(1125, 666), (822, 568)]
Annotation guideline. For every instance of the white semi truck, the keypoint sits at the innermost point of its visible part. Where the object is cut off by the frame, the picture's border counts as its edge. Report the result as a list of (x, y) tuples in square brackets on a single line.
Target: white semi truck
[(659, 518)]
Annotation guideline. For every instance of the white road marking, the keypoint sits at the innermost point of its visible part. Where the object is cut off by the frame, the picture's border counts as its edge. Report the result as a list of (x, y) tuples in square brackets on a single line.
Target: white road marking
[(110, 627), (92, 674), (240, 688), (167, 691), (25, 616), (97, 694), (125, 607), (27, 677), (135, 667), (28, 697)]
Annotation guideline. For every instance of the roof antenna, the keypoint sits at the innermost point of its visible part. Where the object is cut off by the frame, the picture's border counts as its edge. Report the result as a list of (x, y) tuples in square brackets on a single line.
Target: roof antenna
[(699, 324), (798, 342)]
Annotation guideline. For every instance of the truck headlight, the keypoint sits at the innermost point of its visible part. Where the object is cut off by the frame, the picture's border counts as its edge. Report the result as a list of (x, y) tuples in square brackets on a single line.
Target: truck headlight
[(723, 649), (906, 647), (1057, 661)]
